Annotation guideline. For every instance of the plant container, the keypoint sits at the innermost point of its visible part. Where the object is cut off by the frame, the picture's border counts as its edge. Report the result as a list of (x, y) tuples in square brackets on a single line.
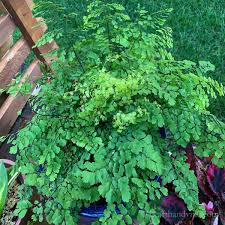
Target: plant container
[(8, 163)]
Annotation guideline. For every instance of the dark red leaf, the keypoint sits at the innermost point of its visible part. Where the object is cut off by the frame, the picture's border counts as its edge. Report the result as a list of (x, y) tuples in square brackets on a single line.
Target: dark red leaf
[(222, 218), (190, 156), (174, 209), (216, 179), (221, 212), (201, 171)]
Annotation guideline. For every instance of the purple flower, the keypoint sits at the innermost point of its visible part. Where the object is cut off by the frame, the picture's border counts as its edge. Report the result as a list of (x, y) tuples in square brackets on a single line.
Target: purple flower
[(209, 207)]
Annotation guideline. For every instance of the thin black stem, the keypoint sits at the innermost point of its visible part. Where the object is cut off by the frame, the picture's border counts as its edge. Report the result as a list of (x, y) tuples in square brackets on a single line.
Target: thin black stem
[(79, 61)]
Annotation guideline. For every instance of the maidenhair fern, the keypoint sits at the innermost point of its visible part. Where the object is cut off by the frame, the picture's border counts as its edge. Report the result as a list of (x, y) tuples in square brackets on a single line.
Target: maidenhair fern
[(96, 134)]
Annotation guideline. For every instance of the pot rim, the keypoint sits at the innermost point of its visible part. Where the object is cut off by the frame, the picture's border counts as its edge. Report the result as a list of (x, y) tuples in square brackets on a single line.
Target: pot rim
[(8, 162)]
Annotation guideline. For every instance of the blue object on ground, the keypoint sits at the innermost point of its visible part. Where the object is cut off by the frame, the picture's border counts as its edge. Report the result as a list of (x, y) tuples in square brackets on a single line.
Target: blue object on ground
[(40, 168), (158, 179), (162, 132), (95, 211), (22, 68)]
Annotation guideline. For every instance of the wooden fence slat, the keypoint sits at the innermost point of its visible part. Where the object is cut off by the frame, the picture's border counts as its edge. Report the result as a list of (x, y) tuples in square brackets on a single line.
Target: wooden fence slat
[(10, 63), (12, 105), (3, 97), (42, 24), (6, 46), (7, 27), (2, 8), (19, 13), (9, 42), (23, 18), (30, 4)]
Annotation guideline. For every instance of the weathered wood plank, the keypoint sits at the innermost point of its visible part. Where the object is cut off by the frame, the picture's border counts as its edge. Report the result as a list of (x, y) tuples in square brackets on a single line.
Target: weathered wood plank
[(6, 46), (23, 18), (2, 8), (7, 27), (43, 25), (3, 97), (30, 4), (12, 105), (10, 63)]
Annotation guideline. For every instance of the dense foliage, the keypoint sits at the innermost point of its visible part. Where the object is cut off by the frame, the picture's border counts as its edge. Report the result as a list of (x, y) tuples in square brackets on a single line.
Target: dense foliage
[(96, 134), (198, 29)]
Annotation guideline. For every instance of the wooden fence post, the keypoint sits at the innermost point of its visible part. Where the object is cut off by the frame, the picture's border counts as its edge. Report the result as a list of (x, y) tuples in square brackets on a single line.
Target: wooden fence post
[(22, 16), (19, 12), (8, 44), (2, 8)]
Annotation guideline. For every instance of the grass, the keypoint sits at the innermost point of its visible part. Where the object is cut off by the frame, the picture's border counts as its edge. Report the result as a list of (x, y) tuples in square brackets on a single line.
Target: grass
[(199, 34)]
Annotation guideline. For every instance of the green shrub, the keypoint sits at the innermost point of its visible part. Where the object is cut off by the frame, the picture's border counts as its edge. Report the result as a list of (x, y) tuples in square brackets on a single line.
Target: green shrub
[(96, 131)]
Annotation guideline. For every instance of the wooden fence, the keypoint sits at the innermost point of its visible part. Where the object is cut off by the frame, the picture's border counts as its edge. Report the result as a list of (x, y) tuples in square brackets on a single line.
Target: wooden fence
[(18, 13)]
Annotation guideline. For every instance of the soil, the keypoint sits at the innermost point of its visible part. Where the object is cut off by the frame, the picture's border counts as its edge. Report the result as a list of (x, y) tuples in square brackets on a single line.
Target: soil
[(8, 217)]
